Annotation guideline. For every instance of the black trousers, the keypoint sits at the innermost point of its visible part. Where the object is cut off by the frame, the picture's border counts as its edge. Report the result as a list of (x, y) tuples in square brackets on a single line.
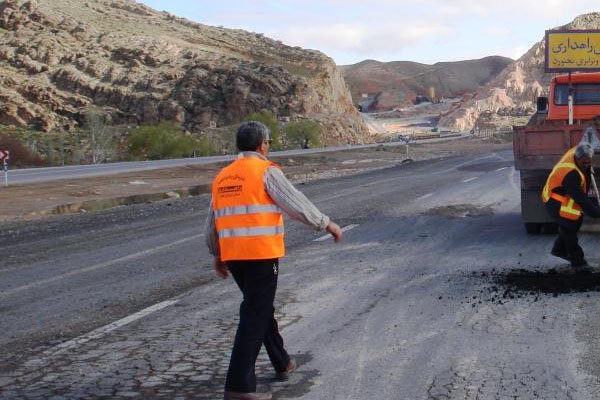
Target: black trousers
[(567, 241), (257, 280)]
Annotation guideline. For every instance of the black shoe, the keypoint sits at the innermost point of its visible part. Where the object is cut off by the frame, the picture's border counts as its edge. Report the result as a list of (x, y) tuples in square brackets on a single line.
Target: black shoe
[(283, 376), (560, 254)]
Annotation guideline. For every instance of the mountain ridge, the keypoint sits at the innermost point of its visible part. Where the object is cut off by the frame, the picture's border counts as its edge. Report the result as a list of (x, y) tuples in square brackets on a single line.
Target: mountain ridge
[(397, 83)]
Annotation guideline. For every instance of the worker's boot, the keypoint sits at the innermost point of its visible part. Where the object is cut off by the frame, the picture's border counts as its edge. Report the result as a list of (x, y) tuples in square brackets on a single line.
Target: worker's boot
[(578, 262)]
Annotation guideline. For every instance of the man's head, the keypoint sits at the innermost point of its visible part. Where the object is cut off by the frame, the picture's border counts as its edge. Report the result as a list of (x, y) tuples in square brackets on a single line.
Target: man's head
[(253, 136), (583, 155)]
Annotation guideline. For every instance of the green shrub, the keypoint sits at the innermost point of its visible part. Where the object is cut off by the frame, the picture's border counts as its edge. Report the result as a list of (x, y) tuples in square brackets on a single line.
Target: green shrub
[(204, 147), (304, 133), (267, 118), (155, 142)]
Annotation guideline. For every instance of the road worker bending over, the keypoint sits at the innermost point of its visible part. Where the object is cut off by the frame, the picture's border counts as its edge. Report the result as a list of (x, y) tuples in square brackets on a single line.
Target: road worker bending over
[(565, 195), (244, 232)]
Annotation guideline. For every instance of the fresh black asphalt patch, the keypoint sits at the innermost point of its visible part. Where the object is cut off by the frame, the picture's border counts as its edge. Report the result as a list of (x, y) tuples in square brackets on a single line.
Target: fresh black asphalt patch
[(551, 281), (503, 286)]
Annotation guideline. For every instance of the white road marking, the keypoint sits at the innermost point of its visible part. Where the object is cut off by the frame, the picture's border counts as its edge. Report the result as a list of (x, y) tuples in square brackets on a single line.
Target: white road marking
[(344, 229), (500, 169), (98, 266), (97, 333), (423, 197), (469, 180)]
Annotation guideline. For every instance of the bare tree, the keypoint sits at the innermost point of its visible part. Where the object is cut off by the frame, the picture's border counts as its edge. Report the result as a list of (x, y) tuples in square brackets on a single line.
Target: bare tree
[(101, 141)]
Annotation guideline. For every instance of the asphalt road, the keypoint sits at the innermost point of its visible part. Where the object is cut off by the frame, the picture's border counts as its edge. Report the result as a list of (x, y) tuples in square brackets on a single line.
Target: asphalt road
[(418, 302), (49, 174)]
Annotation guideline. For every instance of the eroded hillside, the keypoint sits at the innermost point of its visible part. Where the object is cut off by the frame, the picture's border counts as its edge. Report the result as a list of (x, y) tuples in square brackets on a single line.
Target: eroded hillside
[(143, 66)]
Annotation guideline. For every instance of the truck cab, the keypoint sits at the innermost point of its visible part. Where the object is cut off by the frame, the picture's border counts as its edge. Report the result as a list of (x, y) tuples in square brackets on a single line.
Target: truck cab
[(586, 96)]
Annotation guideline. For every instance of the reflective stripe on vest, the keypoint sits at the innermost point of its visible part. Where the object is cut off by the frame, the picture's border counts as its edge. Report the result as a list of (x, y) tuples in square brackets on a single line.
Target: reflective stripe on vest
[(249, 224), (248, 209), (568, 208), (247, 232)]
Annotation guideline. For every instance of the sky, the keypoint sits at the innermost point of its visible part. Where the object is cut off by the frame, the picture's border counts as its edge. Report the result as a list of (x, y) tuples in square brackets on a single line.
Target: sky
[(426, 31)]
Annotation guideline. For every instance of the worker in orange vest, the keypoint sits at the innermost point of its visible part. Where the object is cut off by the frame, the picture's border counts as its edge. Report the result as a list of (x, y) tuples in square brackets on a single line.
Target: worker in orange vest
[(244, 232), (565, 195)]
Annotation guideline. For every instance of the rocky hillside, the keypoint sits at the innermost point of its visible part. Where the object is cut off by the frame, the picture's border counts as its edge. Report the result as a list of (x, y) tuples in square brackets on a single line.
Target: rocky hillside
[(142, 66), (398, 83), (514, 89)]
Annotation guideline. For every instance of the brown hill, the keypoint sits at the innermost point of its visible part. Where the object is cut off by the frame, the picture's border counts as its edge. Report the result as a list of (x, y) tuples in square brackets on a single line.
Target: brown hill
[(142, 66), (515, 89), (399, 82)]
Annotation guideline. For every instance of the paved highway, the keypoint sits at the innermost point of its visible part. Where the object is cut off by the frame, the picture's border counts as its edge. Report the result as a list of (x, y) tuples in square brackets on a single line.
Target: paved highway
[(32, 175), (413, 304)]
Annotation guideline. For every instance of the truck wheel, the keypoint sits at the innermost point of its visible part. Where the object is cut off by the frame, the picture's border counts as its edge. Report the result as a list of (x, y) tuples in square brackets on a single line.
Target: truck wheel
[(533, 228), (550, 228)]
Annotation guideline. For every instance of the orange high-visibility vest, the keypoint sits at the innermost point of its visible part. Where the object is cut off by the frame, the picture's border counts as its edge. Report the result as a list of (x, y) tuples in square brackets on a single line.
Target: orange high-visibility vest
[(249, 223), (568, 208)]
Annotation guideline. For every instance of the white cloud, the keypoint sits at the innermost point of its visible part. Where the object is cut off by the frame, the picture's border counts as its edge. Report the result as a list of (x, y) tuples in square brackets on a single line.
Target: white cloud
[(361, 38)]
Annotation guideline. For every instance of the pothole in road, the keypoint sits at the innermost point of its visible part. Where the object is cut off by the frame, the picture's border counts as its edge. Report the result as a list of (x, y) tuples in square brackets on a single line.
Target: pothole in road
[(460, 211)]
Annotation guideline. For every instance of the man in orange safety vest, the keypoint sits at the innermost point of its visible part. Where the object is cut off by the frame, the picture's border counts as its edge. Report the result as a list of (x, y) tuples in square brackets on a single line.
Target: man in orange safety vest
[(244, 232), (565, 195)]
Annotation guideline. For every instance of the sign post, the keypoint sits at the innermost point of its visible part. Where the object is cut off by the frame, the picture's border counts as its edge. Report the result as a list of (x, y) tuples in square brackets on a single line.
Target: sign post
[(4, 156)]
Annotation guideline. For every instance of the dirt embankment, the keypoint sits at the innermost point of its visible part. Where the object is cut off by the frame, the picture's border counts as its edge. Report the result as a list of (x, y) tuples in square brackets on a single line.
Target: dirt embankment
[(37, 200)]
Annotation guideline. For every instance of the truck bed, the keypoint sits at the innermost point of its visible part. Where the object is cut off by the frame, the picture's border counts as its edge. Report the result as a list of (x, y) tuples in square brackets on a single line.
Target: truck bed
[(539, 147)]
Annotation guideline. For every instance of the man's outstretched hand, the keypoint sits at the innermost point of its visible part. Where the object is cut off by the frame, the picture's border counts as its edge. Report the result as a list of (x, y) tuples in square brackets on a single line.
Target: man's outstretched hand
[(221, 268), (335, 231)]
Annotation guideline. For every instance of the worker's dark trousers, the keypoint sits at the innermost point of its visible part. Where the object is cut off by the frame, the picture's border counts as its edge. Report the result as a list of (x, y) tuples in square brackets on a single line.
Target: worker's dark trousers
[(568, 243), (258, 282)]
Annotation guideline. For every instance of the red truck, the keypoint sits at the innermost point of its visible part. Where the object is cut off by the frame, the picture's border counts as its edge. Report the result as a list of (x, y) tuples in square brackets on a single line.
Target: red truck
[(556, 127)]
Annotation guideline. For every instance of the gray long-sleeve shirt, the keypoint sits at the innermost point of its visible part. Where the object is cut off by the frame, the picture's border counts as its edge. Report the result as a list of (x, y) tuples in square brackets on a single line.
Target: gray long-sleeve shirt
[(286, 196)]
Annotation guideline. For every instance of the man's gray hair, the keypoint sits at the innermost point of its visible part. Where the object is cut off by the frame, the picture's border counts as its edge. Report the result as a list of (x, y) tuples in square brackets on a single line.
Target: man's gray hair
[(584, 149), (250, 135)]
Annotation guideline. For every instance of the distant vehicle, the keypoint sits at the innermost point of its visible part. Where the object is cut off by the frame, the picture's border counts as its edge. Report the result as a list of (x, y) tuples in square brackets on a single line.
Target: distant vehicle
[(541, 143)]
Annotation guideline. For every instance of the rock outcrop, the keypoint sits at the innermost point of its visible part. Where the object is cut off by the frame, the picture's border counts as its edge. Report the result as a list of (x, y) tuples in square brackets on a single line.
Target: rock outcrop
[(142, 66), (398, 83), (516, 87)]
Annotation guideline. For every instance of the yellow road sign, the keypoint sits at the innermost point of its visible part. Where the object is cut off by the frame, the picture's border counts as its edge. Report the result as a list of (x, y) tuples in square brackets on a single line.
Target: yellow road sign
[(572, 50)]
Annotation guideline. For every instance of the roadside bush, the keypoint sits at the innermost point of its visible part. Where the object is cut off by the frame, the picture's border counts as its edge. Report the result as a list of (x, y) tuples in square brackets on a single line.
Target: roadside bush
[(155, 142), (20, 155), (102, 142), (304, 133), (267, 118), (204, 147)]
